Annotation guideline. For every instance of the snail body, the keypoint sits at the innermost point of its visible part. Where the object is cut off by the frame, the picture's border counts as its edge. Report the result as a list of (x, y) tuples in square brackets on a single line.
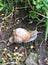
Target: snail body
[(22, 35)]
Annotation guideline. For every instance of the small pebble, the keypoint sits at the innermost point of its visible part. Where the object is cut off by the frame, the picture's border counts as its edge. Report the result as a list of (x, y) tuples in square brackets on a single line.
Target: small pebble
[(31, 47), (9, 55), (14, 54), (5, 49), (16, 47), (3, 60)]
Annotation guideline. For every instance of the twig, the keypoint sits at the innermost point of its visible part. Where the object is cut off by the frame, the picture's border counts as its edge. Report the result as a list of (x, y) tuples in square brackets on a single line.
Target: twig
[(41, 25), (39, 14), (4, 41), (29, 4), (24, 17), (41, 43), (21, 7), (7, 16), (42, 20)]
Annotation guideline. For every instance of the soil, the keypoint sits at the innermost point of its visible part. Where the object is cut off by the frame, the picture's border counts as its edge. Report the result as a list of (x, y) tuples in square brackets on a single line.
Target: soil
[(40, 47)]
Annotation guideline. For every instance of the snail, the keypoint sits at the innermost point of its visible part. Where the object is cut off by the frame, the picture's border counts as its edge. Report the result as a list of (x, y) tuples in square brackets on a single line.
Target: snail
[(22, 35)]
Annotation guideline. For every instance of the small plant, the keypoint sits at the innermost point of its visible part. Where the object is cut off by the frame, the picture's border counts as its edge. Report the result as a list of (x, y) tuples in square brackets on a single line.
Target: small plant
[(40, 7), (7, 6)]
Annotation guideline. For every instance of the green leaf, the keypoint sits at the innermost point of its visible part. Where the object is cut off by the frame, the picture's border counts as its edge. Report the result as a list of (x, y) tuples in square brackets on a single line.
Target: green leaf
[(30, 22), (46, 5), (1, 8), (17, 1), (11, 59), (38, 6), (0, 0), (46, 33), (1, 4), (32, 15), (46, 1), (1, 60), (34, 2)]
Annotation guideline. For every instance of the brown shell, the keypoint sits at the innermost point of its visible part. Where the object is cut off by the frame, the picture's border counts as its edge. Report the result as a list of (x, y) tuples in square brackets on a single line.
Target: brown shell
[(22, 33)]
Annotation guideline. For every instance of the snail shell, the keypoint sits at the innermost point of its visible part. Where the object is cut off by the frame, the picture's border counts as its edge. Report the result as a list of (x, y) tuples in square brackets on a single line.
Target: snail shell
[(21, 35)]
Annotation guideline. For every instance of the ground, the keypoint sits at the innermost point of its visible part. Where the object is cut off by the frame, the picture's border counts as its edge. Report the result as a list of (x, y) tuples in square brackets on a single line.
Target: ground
[(37, 48)]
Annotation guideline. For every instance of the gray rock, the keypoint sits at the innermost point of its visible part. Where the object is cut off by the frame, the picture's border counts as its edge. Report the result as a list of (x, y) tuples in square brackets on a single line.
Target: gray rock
[(32, 59)]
